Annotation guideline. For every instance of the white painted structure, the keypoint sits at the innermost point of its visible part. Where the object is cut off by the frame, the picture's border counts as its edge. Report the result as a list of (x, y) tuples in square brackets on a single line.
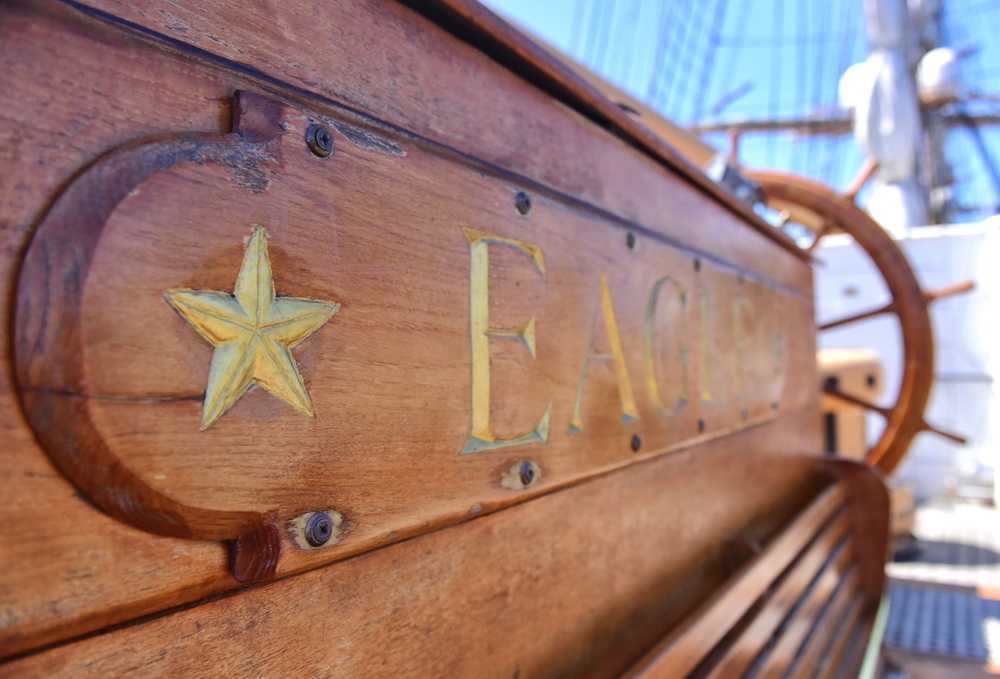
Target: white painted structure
[(966, 395)]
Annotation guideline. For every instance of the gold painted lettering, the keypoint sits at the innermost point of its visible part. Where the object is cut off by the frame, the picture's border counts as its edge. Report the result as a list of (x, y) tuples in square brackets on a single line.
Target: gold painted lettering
[(481, 436), (741, 343), (704, 346), (652, 381), (778, 362), (629, 411)]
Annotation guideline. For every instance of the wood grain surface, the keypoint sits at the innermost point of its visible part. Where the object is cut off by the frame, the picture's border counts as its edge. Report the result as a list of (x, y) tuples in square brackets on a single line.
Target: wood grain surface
[(680, 653), (314, 50), (777, 612), (637, 341), (473, 135), (533, 590)]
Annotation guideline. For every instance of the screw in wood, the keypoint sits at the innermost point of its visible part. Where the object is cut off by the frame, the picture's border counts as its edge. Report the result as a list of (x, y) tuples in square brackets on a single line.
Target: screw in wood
[(527, 472), (319, 529), (636, 443), (319, 140), (522, 201), (631, 241)]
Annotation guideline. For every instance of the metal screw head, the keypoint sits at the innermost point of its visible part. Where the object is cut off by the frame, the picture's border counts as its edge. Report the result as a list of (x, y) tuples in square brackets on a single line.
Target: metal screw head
[(631, 241), (319, 140), (527, 472), (701, 426), (697, 265), (319, 529), (636, 443), (522, 201)]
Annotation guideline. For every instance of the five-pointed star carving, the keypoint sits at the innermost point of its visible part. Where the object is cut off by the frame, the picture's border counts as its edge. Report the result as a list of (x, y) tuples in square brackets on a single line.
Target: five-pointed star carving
[(253, 332)]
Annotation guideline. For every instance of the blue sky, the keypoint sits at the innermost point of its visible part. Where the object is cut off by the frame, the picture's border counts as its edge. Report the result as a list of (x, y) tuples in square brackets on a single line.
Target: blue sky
[(752, 74)]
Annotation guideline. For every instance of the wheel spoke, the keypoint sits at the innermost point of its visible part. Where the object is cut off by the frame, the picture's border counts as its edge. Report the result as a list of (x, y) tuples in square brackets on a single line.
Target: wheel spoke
[(838, 212), (948, 291), (854, 318), (854, 400), (860, 179), (961, 440), (819, 236)]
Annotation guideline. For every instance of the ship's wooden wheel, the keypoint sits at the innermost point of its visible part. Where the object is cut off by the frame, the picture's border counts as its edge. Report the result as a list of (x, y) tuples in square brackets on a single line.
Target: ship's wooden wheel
[(824, 211)]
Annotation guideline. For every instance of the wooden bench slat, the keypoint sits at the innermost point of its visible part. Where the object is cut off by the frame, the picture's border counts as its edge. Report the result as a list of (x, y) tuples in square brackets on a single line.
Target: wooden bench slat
[(826, 628), (804, 618), (756, 636), (864, 627), (681, 652), (833, 661)]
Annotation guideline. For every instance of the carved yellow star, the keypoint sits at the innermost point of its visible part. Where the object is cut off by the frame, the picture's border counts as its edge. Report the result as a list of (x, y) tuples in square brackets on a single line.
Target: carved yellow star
[(253, 332)]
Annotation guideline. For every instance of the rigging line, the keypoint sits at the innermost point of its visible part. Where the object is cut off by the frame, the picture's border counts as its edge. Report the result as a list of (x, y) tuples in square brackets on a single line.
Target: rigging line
[(613, 52), (671, 56), (667, 73), (696, 29), (592, 21), (713, 45), (576, 26), (609, 43), (813, 157), (675, 57), (601, 46), (730, 70), (801, 78), (655, 76), (625, 74), (700, 43), (776, 62), (804, 40), (984, 152), (972, 16), (955, 27), (710, 18), (842, 63), (685, 61), (603, 32)]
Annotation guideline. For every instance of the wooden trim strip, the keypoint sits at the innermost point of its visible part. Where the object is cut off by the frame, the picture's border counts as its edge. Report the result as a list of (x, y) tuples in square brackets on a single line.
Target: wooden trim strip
[(471, 22), (834, 659), (804, 619), (825, 629), (868, 638), (751, 640), (681, 652)]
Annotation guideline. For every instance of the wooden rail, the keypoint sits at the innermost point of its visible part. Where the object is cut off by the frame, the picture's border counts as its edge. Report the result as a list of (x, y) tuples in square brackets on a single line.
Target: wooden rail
[(798, 607)]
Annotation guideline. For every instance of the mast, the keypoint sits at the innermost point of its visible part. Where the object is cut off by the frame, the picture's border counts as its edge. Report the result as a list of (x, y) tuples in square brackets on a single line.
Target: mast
[(901, 103)]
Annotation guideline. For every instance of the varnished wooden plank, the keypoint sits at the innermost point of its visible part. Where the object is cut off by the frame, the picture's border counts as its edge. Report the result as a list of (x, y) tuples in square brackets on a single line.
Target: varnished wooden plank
[(680, 654), (808, 658), (756, 636), (804, 618), (72, 108), (472, 21), (67, 567), (113, 379), (868, 509), (493, 596), (832, 665), (863, 629), (449, 94), (869, 506)]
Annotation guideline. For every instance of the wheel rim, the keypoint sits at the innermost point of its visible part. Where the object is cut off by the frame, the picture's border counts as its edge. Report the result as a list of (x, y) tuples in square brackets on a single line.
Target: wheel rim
[(905, 419)]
